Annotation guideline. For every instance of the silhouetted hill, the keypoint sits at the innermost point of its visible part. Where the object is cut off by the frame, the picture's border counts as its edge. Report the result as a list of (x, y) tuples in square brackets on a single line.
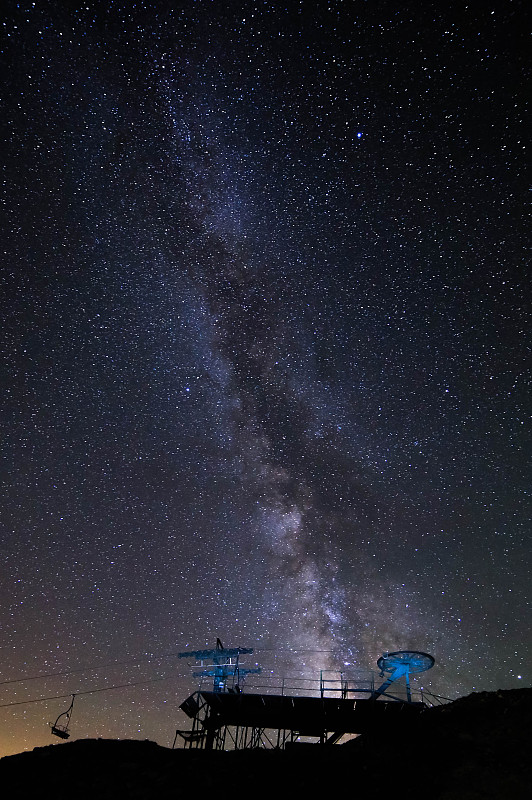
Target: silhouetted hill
[(474, 748), (477, 748)]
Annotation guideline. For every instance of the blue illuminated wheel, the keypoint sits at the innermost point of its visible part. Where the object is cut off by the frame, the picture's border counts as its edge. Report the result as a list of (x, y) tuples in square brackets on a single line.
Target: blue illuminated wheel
[(408, 660)]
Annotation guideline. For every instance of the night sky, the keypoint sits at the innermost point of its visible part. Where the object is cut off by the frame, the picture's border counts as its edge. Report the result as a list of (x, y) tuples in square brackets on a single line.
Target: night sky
[(263, 348)]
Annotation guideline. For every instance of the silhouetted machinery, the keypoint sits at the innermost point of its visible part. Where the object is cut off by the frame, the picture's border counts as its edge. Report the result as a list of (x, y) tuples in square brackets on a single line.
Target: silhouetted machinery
[(228, 719), (61, 729)]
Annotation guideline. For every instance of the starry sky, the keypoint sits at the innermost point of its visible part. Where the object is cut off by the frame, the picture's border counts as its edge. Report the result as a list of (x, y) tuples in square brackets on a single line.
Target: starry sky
[(263, 348)]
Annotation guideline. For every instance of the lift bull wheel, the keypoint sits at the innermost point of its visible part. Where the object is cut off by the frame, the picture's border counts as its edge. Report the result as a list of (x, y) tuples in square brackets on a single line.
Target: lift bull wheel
[(402, 663)]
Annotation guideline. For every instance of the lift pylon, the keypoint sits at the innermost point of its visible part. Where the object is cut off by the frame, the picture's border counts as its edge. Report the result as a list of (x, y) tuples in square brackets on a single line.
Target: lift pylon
[(224, 666)]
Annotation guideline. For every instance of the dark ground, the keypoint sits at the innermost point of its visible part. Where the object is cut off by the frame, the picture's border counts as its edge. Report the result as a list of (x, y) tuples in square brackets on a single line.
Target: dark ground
[(477, 747)]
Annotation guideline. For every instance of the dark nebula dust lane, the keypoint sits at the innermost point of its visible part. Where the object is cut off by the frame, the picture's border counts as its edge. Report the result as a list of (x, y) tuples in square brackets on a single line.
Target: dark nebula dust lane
[(264, 346)]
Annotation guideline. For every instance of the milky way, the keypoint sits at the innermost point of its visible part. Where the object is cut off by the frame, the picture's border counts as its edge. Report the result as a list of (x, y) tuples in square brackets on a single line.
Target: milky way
[(264, 347)]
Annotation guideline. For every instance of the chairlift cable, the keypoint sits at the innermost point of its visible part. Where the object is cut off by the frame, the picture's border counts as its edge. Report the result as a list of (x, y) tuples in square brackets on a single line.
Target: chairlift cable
[(86, 691), (87, 669), (139, 660)]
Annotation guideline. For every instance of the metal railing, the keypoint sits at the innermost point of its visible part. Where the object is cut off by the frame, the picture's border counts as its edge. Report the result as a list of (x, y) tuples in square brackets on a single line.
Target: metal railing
[(332, 683)]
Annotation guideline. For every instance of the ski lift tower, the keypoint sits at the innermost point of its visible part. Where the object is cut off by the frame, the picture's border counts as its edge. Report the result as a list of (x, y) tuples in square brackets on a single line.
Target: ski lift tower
[(224, 666)]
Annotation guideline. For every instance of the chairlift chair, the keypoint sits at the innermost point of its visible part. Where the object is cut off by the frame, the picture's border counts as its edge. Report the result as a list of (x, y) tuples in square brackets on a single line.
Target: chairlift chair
[(61, 728)]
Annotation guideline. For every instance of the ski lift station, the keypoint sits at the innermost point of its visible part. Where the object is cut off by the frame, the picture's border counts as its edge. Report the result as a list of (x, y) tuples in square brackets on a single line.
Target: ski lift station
[(226, 717)]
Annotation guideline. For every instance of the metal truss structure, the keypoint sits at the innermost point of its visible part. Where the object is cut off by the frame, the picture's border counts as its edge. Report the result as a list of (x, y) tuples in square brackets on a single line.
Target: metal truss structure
[(228, 719)]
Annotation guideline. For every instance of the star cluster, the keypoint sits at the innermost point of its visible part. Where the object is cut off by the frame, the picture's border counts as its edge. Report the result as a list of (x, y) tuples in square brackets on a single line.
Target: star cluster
[(264, 347)]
